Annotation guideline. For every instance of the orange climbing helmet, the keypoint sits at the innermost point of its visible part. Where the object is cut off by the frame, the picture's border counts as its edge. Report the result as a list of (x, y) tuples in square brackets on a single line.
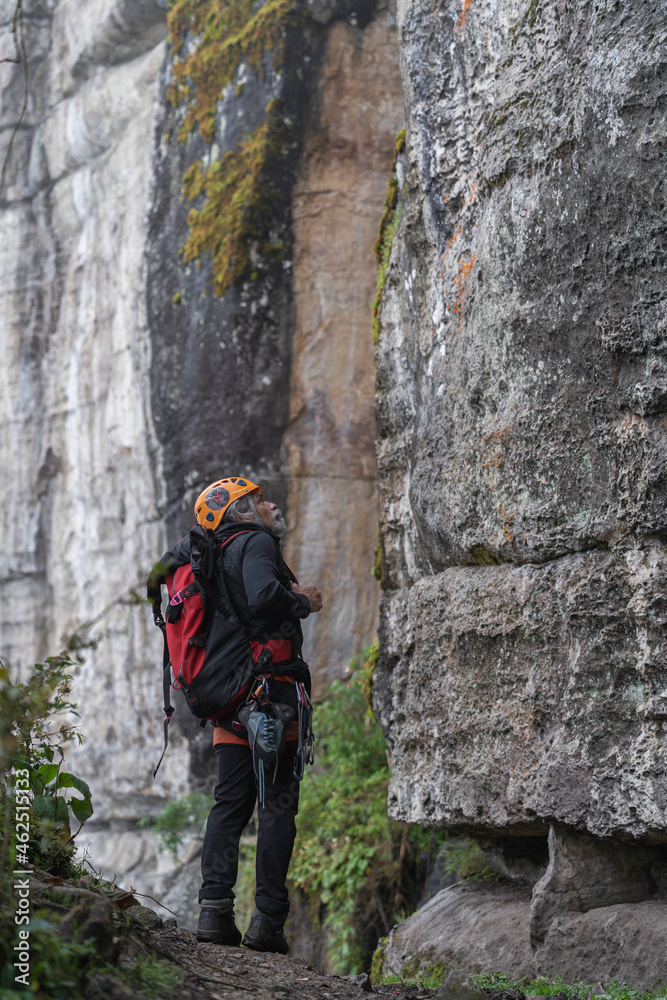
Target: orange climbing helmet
[(216, 498)]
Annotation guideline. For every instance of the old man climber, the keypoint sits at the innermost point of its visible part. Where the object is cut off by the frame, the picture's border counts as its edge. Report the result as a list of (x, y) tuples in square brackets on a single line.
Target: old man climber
[(268, 605)]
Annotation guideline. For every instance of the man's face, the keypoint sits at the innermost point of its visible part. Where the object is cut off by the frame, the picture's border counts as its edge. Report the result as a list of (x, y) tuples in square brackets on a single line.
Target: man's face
[(270, 515)]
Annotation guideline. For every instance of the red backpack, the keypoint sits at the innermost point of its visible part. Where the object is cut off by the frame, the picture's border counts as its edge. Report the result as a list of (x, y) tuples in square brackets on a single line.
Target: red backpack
[(205, 645)]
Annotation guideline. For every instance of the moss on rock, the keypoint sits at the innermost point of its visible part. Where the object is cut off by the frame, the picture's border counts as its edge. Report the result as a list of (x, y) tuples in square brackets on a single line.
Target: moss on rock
[(222, 36), (238, 199), (388, 225)]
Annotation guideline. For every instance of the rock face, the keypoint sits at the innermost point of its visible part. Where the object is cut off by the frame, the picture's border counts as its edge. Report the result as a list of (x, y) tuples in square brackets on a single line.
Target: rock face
[(331, 435), (521, 429), (477, 928), (489, 925), (79, 512), (128, 385)]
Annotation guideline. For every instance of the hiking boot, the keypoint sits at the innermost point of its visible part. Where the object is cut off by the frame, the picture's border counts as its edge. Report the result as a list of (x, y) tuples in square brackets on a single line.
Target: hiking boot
[(266, 934), (216, 922)]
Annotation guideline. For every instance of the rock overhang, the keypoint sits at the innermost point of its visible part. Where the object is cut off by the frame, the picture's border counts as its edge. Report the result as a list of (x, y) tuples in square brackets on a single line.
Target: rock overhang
[(521, 446)]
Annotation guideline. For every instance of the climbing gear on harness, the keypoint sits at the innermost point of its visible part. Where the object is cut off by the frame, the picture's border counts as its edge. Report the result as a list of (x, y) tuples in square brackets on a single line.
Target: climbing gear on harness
[(305, 753), (212, 503), (266, 724)]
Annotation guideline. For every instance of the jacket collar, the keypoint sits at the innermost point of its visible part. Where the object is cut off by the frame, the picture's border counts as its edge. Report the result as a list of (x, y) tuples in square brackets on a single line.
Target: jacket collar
[(226, 530)]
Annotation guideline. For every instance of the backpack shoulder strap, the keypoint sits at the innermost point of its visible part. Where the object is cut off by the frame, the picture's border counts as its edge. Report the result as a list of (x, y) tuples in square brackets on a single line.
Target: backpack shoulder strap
[(204, 562), (232, 537)]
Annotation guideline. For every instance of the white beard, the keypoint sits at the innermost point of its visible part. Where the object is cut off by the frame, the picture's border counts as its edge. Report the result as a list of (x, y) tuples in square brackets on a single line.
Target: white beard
[(278, 525)]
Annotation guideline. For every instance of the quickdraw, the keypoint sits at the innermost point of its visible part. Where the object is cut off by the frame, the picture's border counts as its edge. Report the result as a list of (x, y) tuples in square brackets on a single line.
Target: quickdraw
[(305, 749)]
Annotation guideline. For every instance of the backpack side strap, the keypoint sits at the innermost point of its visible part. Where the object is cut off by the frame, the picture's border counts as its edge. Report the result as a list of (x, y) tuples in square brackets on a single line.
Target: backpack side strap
[(166, 683)]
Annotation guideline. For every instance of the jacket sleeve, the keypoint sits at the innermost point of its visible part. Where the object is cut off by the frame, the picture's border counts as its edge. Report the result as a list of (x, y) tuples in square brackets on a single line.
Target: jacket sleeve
[(266, 595)]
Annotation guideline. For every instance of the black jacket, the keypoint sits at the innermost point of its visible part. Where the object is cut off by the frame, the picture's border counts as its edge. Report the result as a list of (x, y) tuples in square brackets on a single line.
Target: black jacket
[(258, 581)]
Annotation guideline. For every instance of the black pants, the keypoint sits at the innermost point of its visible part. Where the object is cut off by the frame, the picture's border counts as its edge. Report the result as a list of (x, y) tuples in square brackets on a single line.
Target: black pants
[(235, 796)]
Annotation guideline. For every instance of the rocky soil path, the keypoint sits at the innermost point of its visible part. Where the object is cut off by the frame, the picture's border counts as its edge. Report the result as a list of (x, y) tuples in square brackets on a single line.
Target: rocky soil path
[(217, 971), (125, 934)]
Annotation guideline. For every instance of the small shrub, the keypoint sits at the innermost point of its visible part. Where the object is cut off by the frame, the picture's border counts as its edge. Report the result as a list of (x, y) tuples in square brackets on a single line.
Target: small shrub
[(349, 856), (466, 860), (177, 817), (544, 986), (33, 737)]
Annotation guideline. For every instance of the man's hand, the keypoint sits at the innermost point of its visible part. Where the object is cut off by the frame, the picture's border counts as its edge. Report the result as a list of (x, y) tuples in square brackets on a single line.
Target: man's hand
[(312, 593)]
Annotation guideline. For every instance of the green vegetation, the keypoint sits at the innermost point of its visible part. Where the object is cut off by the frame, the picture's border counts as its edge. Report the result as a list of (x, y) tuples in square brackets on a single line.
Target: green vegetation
[(32, 739), (239, 200), (388, 226), (548, 987), (33, 735), (432, 979), (369, 659), (366, 874), (170, 825), (378, 566), (435, 975), (466, 860), (58, 968), (480, 555), (34, 732), (223, 34), (152, 977)]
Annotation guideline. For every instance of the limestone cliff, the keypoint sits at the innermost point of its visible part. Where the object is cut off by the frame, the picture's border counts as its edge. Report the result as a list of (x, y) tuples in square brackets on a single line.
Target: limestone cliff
[(128, 383), (521, 451)]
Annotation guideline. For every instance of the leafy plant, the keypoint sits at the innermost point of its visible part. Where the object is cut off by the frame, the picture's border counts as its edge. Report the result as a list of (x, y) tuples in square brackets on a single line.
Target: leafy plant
[(58, 967), (542, 986), (33, 735), (177, 817), (349, 856), (466, 860)]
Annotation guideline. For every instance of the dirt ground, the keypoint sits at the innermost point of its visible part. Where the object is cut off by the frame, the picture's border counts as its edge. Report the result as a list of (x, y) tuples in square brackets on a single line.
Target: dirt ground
[(217, 971), (126, 933)]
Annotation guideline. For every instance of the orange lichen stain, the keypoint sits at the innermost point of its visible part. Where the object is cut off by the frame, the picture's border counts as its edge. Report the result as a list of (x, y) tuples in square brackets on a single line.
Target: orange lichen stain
[(496, 462), (506, 516), (461, 283), (450, 243), (452, 239), (498, 437), (460, 24)]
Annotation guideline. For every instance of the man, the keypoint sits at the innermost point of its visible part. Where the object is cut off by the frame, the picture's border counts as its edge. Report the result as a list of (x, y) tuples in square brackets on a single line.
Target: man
[(270, 606)]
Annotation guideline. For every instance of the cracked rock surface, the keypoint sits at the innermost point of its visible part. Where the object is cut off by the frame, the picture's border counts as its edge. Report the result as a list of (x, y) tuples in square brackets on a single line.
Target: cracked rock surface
[(521, 427), (521, 419)]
